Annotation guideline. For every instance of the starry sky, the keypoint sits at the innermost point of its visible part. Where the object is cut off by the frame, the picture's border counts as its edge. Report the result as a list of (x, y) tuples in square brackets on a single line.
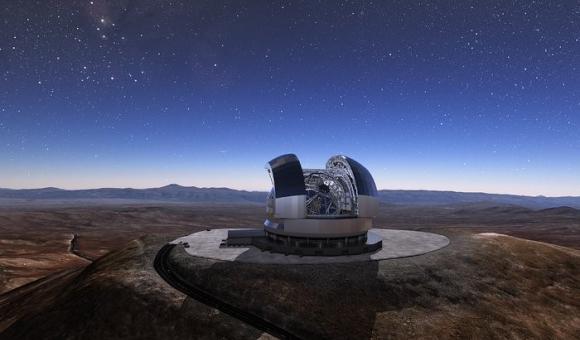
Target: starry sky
[(443, 95)]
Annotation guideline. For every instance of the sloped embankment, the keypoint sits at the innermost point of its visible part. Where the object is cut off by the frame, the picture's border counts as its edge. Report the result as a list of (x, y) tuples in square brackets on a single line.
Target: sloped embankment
[(118, 296), (481, 286)]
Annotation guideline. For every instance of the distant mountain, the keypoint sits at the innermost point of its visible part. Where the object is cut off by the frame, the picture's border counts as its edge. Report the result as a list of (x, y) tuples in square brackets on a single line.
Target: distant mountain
[(177, 193), (169, 193), (427, 197)]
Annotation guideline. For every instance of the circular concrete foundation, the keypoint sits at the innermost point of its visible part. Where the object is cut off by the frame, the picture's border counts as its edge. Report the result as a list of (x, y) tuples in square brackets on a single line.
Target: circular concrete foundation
[(396, 243)]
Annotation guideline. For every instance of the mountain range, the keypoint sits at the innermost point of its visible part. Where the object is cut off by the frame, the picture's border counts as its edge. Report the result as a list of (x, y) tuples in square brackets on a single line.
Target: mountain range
[(178, 193)]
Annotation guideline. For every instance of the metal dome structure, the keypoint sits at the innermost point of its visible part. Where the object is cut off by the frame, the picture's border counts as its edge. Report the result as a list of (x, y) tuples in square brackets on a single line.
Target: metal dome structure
[(316, 211)]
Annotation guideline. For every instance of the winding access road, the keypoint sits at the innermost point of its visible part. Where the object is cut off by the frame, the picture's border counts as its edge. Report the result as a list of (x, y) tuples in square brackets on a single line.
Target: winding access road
[(73, 248), (163, 268)]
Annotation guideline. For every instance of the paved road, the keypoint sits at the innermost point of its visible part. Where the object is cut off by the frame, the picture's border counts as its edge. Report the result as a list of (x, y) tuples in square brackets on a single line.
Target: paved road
[(163, 267)]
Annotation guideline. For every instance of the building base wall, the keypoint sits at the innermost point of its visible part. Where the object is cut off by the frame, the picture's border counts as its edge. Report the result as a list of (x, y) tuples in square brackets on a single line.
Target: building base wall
[(304, 246), (319, 227)]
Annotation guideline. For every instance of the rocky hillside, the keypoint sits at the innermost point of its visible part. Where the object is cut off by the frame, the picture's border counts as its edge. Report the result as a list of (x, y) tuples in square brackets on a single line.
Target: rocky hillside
[(118, 296), (482, 286)]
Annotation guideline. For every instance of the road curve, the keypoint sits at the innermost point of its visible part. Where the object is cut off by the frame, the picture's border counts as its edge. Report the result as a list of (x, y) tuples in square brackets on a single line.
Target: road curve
[(164, 270), (73, 248)]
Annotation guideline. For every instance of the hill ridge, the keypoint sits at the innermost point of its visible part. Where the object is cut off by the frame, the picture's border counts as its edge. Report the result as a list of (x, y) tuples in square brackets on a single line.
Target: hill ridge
[(178, 193)]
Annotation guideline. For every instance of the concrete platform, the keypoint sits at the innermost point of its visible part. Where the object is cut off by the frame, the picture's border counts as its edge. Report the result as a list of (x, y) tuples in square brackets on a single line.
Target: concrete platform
[(396, 244)]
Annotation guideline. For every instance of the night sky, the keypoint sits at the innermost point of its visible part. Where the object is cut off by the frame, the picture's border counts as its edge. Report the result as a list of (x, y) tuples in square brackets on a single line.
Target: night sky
[(457, 95)]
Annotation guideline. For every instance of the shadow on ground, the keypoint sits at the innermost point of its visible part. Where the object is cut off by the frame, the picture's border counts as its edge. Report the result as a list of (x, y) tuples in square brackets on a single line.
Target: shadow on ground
[(478, 287)]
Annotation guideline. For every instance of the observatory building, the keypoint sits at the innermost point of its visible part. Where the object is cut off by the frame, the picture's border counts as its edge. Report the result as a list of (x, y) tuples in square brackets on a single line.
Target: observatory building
[(325, 212)]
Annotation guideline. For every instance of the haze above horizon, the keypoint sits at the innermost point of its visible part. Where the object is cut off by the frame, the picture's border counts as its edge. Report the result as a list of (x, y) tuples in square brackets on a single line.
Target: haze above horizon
[(267, 189), (469, 97)]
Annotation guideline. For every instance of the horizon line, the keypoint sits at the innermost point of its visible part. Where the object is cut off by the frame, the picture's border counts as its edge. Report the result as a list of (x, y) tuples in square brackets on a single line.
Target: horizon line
[(216, 187)]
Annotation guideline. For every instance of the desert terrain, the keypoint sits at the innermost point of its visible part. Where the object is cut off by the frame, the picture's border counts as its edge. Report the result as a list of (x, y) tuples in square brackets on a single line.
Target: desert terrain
[(91, 263), (36, 238)]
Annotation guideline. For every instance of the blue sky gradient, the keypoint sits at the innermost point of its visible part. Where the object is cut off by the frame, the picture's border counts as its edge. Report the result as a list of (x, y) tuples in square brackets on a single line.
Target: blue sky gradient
[(467, 96)]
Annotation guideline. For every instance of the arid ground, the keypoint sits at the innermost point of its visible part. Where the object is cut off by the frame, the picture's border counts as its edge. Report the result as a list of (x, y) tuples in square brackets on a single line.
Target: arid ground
[(36, 238), (491, 285)]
